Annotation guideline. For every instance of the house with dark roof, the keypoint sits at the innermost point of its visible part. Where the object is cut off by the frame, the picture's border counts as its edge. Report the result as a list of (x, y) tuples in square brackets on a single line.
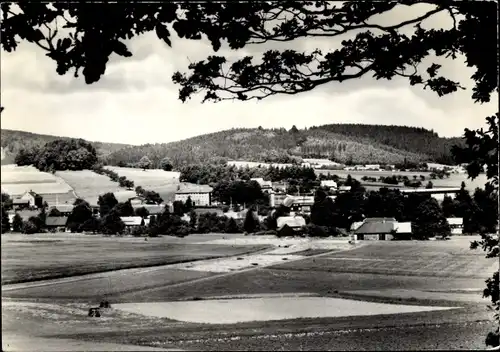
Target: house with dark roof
[(63, 209), (290, 225), (56, 223), (201, 195), (382, 229)]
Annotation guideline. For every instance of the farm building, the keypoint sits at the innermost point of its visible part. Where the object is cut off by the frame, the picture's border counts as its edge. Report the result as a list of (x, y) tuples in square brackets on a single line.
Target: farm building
[(29, 199), (302, 204), (57, 223), (290, 225), (131, 221), (200, 194), (153, 209), (344, 188), (59, 198), (279, 186), (264, 185), (64, 209), (331, 184), (381, 229), (456, 225)]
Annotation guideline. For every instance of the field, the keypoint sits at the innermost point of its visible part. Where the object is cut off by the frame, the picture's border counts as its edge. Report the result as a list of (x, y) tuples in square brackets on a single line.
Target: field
[(29, 258), (18, 179), (454, 180), (444, 276), (163, 182), (88, 184)]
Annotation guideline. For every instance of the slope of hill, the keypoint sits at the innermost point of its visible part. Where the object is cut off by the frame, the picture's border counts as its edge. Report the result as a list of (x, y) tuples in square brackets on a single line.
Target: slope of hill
[(12, 141), (340, 142), (343, 143)]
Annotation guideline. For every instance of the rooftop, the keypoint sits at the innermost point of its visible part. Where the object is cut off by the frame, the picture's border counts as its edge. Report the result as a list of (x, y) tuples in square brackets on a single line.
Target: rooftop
[(56, 220)]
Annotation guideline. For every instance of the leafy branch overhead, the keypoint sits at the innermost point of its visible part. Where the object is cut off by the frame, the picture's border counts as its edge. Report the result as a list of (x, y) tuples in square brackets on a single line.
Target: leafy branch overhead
[(91, 36)]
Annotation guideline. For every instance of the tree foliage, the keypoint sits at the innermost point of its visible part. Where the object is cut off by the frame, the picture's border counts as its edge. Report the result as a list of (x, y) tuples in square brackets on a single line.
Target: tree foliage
[(60, 154), (5, 220)]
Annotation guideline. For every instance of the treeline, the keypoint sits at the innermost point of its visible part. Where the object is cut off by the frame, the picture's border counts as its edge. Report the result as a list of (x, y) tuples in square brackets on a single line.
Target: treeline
[(113, 176), (479, 211), (358, 144), (59, 155), (412, 139), (13, 141)]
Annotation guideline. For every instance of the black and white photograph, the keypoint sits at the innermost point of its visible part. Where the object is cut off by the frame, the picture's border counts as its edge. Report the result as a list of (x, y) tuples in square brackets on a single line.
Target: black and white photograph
[(249, 175)]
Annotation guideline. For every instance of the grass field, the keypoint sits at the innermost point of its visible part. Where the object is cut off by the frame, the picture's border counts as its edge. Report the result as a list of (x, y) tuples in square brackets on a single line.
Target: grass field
[(372, 271), (18, 179), (147, 178), (88, 184), (27, 258)]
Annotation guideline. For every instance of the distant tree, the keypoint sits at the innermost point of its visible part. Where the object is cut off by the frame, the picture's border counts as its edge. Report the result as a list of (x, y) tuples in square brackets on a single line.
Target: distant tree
[(193, 218), (106, 202), (17, 223), (79, 215), (25, 157), (54, 212), (294, 129), (429, 185), (430, 221), (5, 220), (29, 227), (6, 201), (231, 226), (111, 224), (178, 208), (189, 204), (323, 210), (139, 190), (142, 212), (152, 197), (66, 154), (91, 225), (145, 163), (250, 224), (166, 164), (42, 216), (124, 209)]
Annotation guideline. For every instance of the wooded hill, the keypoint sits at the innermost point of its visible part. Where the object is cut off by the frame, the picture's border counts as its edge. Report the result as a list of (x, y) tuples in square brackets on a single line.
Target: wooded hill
[(12, 141), (345, 143)]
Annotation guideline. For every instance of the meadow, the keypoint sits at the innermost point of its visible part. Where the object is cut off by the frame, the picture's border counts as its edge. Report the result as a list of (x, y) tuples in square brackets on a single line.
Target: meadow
[(18, 179), (49, 256), (88, 184), (146, 178)]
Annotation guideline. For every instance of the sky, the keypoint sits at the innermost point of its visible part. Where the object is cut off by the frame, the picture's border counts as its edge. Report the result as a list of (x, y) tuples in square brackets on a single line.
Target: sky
[(135, 102)]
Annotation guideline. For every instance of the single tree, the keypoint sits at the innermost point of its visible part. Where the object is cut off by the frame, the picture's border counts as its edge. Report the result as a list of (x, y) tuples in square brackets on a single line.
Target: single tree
[(142, 212), (193, 219), (166, 164), (106, 202), (231, 226), (5, 220), (189, 204), (79, 215), (111, 224), (430, 221), (251, 223), (145, 163), (429, 185), (17, 223)]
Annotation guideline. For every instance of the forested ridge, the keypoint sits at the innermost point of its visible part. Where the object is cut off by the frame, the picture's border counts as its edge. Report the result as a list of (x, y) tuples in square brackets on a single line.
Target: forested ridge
[(345, 143)]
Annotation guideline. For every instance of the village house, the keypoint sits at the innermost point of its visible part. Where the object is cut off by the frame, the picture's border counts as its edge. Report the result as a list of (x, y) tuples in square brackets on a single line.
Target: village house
[(64, 209), (302, 204), (290, 225), (381, 229), (56, 223), (132, 221), (266, 186), (279, 187), (456, 225), (330, 184), (201, 195), (28, 200)]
